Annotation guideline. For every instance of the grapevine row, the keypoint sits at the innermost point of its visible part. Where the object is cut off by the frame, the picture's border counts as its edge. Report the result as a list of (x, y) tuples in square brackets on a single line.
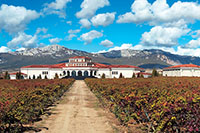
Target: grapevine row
[(24, 101), (160, 104)]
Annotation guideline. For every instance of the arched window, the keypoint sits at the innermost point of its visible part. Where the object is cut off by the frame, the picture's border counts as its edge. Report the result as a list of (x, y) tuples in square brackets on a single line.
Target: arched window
[(85, 73), (91, 73), (73, 73), (68, 73), (80, 73)]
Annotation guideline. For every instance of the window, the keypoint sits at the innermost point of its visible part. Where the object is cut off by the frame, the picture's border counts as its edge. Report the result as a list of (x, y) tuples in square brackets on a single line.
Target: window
[(45, 72), (114, 72)]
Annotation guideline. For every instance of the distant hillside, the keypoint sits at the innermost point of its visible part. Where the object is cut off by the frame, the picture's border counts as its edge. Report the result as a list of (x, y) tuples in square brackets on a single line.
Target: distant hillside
[(57, 54)]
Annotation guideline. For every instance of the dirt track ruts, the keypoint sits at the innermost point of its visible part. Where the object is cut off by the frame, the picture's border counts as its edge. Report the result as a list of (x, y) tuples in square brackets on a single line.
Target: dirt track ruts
[(77, 113)]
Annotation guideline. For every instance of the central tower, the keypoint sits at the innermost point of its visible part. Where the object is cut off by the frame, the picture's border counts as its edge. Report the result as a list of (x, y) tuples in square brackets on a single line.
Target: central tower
[(80, 61)]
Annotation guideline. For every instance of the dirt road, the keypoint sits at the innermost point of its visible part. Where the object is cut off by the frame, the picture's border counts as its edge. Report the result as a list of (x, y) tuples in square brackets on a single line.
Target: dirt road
[(77, 113)]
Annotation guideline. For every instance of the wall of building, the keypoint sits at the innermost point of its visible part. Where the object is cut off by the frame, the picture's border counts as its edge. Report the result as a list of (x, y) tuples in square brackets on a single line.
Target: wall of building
[(105, 71), (36, 71), (12, 77), (126, 72), (192, 72)]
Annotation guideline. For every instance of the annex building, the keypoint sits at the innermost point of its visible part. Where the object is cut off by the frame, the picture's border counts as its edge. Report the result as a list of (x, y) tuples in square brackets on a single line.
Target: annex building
[(186, 70), (79, 67)]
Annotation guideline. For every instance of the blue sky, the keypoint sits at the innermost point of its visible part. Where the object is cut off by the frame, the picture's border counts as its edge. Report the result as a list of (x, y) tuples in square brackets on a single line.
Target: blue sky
[(101, 25)]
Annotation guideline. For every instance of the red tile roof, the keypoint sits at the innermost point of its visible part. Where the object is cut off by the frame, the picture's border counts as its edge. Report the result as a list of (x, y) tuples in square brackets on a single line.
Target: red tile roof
[(185, 65), (144, 73), (80, 57), (46, 66), (98, 65), (16, 73), (124, 66)]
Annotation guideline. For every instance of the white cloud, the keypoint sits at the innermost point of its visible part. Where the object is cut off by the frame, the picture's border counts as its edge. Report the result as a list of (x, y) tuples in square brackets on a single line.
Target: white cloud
[(140, 12), (4, 49), (57, 7), (20, 49), (23, 40), (85, 23), (188, 51), (46, 36), (193, 44), (71, 36), (43, 30), (106, 43), (196, 34), (74, 31), (90, 36), (89, 8), (103, 19), (54, 40), (69, 22), (15, 18), (123, 46), (163, 36), (160, 12)]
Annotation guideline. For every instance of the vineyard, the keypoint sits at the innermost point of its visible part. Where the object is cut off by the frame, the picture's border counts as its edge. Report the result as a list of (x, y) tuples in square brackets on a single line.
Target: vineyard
[(23, 101), (159, 104)]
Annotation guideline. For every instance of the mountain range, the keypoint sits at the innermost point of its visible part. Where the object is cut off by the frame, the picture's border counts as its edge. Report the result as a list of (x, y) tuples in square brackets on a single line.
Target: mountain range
[(54, 54)]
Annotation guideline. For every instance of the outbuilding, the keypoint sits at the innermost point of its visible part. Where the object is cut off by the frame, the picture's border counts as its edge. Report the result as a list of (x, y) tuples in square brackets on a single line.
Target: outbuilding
[(186, 70)]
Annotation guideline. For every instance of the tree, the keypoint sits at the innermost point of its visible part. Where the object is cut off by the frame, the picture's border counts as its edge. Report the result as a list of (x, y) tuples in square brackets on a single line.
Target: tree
[(138, 75), (56, 76), (64, 73), (103, 76), (155, 73), (33, 76), (7, 75), (120, 76), (19, 75), (39, 77), (133, 75)]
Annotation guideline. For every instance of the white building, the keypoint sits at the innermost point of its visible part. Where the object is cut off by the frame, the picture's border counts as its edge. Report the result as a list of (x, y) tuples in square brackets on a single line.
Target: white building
[(80, 67), (187, 70), (13, 75)]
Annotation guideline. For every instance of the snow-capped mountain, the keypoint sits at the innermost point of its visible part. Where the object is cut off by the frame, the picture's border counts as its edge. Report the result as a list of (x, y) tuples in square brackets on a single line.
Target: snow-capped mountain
[(51, 50), (57, 54)]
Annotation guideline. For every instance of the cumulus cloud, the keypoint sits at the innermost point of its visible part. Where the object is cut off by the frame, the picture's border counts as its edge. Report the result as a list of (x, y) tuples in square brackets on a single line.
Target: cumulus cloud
[(23, 40), (74, 31), (14, 19), (69, 22), (159, 12), (103, 19), (89, 8), (106, 43), (163, 36), (196, 34), (71, 36), (85, 23), (187, 51), (57, 7), (43, 30), (140, 12), (4, 49), (55, 40), (193, 44), (122, 47), (90, 36)]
